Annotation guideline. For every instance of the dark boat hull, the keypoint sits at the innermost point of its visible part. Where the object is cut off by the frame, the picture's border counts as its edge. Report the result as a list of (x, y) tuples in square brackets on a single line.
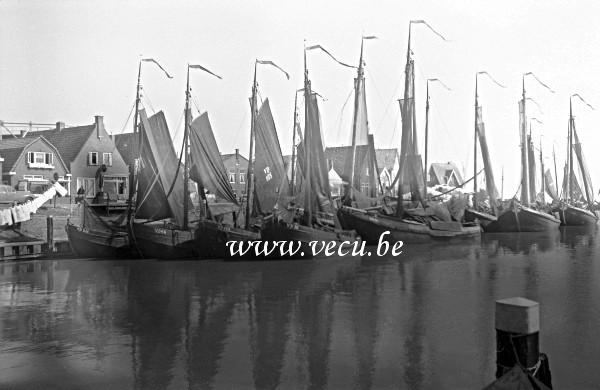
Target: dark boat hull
[(575, 216), (522, 219), (206, 240), (293, 232), (480, 217), (98, 244), (372, 226)]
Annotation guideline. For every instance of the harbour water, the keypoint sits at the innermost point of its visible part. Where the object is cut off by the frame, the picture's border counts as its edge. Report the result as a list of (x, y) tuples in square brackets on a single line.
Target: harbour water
[(423, 320)]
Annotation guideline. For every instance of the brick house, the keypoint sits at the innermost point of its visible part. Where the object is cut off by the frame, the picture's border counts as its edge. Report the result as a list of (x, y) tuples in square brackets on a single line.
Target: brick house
[(236, 166), (30, 163), (84, 149), (444, 174)]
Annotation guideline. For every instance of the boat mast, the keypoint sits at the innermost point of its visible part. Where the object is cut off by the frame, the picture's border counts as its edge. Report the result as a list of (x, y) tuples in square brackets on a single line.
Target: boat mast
[(249, 183), (186, 146), (426, 138), (569, 190), (524, 153), (293, 161), (132, 168), (475, 148), (307, 141), (555, 171), (543, 189), (357, 89), (399, 207)]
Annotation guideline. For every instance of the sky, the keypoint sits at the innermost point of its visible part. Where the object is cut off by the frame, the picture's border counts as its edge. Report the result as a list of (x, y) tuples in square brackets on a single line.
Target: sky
[(69, 60)]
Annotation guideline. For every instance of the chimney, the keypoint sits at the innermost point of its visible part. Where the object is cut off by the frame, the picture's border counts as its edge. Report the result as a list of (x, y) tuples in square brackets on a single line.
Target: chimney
[(60, 126), (99, 122), (237, 156)]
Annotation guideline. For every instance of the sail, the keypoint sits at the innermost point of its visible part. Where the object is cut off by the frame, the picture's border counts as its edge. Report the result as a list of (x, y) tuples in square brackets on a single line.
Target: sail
[(524, 154), (411, 172), (585, 175), (158, 172), (206, 165), (575, 190), (269, 172), (360, 131), (487, 161), (550, 186), (319, 174), (531, 167)]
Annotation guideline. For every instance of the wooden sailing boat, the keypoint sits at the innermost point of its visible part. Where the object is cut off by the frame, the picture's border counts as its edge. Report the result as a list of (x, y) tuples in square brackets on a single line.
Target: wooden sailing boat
[(313, 224), (412, 225), (519, 216), (105, 234), (569, 213), (166, 232)]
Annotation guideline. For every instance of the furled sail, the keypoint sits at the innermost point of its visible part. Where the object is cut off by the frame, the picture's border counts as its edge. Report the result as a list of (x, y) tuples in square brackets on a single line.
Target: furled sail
[(487, 161), (271, 181), (531, 167), (207, 167), (158, 172), (585, 175)]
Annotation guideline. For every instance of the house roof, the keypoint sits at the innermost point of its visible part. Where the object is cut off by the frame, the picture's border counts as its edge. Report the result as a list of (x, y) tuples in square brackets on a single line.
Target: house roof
[(386, 158), (11, 150), (124, 143), (441, 170), (68, 141), (227, 156)]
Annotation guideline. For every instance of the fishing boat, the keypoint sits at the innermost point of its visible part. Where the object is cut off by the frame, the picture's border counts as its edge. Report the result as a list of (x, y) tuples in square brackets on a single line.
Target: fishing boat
[(513, 216), (407, 222), (316, 220), (99, 235), (102, 232), (161, 227), (570, 214)]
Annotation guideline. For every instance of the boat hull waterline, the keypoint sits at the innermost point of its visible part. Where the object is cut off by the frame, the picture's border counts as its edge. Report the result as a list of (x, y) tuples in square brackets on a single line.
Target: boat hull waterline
[(371, 227)]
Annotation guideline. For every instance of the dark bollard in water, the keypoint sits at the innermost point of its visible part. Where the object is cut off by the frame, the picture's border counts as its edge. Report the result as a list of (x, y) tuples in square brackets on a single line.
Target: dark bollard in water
[(517, 339)]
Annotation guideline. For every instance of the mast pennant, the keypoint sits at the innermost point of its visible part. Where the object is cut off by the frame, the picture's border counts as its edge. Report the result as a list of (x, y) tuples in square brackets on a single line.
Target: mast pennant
[(580, 98), (491, 78), (204, 69), (157, 64), (330, 55), (539, 81), (429, 26), (264, 62)]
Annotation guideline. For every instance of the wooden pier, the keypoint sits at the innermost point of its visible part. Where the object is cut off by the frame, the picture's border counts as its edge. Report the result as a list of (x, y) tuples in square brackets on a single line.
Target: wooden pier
[(15, 245)]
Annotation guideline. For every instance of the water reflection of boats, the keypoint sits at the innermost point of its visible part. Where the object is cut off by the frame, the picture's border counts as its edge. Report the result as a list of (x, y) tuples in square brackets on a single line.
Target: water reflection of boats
[(574, 236), (524, 242)]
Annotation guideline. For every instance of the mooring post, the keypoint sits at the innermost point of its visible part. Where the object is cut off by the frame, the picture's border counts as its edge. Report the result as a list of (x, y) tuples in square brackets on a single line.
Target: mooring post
[(50, 233), (517, 338)]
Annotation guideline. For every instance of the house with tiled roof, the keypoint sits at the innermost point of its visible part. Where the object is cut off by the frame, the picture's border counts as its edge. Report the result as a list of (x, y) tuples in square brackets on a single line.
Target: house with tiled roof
[(387, 164), (85, 149), (31, 163)]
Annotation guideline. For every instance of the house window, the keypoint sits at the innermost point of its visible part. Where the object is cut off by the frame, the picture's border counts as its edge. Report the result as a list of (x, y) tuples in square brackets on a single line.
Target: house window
[(93, 158), (232, 177), (40, 160), (364, 187), (88, 184), (242, 177), (107, 159), (115, 186)]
